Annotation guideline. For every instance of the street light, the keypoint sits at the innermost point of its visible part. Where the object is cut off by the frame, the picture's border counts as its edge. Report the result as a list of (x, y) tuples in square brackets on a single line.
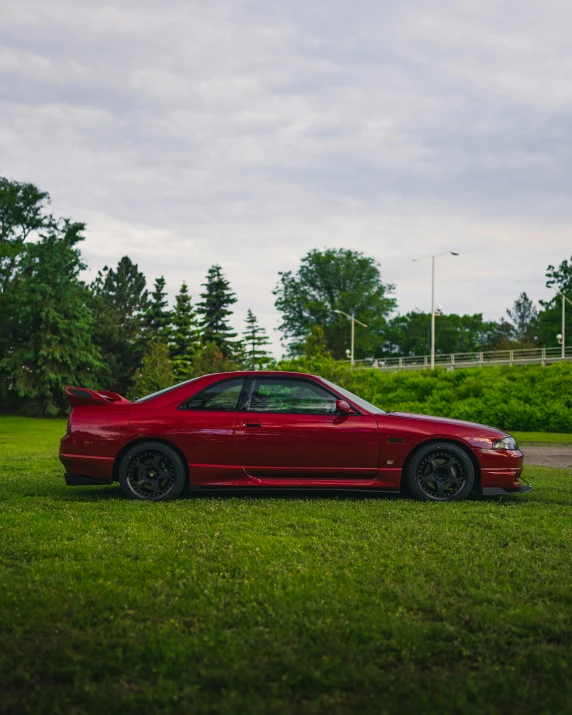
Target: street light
[(433, 256), (354, 321), (561, 337)]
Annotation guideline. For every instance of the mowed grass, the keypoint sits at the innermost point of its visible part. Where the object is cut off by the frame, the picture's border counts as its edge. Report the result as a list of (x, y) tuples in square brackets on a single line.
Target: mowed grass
[(299, 604)]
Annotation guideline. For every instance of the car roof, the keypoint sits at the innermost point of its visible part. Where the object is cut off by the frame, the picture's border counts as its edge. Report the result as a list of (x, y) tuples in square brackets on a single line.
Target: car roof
[(262, 373)]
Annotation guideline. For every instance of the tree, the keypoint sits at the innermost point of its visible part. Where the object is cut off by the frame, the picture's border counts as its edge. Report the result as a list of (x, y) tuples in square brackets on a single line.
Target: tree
[(550, 317), (500, 336), (210, 359), (157, 316), (255, 340), (22, 211), (214, 311), (524, 318), (119, 302), (184, 336), (315, 344), (51, 324), (335, 279), (156, 371), (410, 334)]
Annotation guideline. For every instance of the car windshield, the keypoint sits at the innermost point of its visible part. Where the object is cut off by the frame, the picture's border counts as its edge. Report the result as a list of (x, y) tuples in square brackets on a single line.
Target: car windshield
[(163, 392), (354, 398)]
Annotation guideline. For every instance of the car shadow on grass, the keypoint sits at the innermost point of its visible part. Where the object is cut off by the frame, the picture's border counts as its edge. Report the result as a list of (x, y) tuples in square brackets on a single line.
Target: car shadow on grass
[(92, 494)]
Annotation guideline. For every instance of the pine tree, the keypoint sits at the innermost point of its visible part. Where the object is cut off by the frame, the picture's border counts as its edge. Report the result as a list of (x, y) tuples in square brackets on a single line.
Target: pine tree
[(214, 310), (51, 324), (255, 338), (157, 316), (184, 336), (156, 371), (119, 304)]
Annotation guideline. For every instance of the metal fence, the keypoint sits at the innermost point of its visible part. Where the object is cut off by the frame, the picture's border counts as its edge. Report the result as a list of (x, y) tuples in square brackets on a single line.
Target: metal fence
[(529, 356)]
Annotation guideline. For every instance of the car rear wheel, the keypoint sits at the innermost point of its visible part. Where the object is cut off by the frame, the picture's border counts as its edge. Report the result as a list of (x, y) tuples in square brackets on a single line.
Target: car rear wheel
[(152, 471), (440, 472)]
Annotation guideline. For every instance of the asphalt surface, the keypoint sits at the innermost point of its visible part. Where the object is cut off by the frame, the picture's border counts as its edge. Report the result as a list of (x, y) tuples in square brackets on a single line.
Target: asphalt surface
[(548, 455)]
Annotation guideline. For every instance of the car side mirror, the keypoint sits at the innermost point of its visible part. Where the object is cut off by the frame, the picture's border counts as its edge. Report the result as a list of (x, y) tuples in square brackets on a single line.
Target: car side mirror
[(343, 407)]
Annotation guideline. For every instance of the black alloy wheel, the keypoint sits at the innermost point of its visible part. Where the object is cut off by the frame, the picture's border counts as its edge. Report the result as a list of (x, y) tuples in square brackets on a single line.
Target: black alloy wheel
[(152, 471), (440, 472)]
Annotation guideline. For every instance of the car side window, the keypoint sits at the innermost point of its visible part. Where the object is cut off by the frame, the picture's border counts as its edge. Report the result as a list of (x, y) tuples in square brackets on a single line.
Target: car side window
[(287, 395), (221, 396)]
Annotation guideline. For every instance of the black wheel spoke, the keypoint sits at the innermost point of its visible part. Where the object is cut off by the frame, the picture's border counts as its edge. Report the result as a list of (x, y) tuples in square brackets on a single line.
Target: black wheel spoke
[(442, 474), (156, 461), (151, 474)]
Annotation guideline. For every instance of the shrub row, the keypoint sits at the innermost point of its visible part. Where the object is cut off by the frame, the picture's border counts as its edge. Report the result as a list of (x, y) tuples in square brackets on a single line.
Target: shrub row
[(524, 398)]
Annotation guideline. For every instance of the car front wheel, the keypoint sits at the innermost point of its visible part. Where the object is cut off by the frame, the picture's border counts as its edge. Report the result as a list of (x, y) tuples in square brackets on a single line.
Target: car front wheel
[(152, 471), (440, 472)]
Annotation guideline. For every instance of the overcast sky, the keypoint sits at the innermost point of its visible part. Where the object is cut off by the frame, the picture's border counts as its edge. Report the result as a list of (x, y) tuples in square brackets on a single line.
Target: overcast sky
[(246, 132)]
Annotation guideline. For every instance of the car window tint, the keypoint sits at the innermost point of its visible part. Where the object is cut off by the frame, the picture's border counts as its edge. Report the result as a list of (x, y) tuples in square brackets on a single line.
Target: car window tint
[(281, 395), (220, 396)]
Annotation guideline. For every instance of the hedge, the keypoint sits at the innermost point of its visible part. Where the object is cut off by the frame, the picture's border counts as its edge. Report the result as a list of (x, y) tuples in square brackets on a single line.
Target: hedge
[(527, 398)]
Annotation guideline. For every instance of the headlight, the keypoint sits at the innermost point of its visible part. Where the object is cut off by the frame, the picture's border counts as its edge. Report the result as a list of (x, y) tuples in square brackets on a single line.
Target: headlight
[(505, 443)]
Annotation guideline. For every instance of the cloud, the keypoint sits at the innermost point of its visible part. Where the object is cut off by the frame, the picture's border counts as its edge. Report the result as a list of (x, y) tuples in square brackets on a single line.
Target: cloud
[(248, 132)]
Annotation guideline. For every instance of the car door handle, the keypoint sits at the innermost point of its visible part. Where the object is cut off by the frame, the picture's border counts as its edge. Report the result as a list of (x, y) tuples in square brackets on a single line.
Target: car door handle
[(251, 424)]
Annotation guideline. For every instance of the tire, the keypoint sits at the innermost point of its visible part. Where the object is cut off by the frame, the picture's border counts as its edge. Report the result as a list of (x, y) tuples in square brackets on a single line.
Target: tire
[(439, 471), (152, 471)]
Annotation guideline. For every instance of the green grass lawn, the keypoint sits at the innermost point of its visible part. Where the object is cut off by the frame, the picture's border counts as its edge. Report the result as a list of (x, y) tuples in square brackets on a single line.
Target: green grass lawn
[(247, 604)]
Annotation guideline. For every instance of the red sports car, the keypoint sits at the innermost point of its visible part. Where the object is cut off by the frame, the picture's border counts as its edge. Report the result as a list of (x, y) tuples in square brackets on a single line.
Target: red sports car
[(277, 429)]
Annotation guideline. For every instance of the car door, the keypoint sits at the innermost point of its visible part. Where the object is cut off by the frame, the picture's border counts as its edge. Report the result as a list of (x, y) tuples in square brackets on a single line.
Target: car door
[(289, 427), (205, 432)]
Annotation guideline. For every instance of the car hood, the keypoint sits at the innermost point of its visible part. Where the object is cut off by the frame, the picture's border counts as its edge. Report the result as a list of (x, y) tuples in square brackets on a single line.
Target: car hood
[(446, 421)]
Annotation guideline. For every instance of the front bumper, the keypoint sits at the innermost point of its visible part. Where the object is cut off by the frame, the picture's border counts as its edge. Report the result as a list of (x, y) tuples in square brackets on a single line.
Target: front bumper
[(491, 491)]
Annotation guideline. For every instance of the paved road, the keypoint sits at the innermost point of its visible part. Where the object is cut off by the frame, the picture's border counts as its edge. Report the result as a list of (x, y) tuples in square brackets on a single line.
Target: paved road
[(548, 455)]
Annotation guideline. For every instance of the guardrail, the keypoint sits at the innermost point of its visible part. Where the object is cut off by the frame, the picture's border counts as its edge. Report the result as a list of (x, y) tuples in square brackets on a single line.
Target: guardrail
[(529, 356)]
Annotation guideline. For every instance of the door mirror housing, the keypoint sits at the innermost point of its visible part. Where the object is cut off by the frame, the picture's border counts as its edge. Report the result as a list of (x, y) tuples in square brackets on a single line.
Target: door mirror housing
[(343, 407)]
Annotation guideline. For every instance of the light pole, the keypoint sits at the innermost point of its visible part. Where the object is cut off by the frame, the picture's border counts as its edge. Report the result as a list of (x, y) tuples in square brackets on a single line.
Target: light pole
[(433, 256), (563, 335), (354, 321)]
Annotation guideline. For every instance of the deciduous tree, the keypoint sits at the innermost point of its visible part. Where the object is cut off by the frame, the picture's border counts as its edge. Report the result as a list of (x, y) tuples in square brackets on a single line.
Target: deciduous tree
[(550, 317), (51, 324), (22, 211), (524, 319), (335, 279), (156, 371), (210, 359)]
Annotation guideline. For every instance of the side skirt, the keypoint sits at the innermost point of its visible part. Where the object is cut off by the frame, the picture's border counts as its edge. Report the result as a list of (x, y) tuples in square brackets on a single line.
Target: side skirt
[(73, 480)]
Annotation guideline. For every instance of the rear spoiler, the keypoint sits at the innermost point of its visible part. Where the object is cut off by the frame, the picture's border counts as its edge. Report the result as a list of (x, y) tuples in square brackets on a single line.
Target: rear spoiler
[(84, 396)]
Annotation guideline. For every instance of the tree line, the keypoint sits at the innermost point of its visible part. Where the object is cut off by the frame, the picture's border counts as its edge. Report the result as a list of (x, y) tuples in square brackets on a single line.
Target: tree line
[(120, 334)]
